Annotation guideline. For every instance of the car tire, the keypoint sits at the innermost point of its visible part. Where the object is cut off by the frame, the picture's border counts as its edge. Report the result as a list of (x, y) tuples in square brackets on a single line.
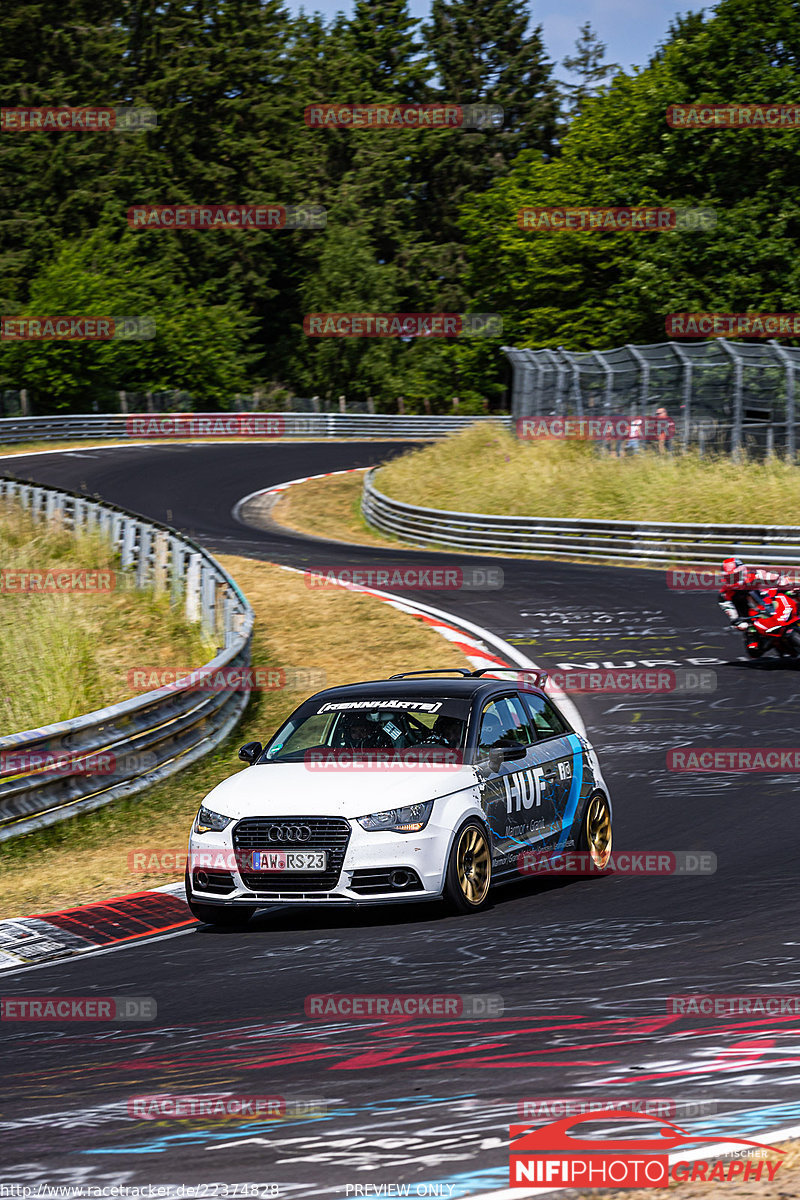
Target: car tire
[(595, 836), (236, 916), (468, 878)]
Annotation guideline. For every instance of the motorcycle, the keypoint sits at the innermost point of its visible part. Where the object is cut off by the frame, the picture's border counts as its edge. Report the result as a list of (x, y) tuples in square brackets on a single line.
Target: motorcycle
[(774, 626)]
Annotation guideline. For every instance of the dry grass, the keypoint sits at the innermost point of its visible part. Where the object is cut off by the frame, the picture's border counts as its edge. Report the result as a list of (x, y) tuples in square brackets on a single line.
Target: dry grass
[(328, 508), (63, 653), (485, 469), (346, 635)]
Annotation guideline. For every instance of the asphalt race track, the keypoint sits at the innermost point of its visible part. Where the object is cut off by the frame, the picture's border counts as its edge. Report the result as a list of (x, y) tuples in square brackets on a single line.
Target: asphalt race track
[(584, 966)]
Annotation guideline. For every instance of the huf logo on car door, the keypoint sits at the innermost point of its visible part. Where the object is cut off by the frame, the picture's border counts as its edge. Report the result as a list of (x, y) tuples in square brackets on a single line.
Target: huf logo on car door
[(523, 789)]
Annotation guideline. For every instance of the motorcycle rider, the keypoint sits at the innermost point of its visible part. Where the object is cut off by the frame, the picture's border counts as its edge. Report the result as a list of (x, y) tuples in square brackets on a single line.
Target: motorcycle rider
[(746, 593)]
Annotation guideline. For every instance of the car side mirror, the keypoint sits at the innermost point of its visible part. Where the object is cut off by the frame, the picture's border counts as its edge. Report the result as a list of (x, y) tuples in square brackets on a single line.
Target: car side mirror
[(495, 758), (250, 752), (508, 753)]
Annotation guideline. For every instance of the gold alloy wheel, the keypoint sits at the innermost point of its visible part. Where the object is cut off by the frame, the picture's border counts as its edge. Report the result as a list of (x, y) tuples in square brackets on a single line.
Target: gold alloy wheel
[(473, 865), (598, 831)]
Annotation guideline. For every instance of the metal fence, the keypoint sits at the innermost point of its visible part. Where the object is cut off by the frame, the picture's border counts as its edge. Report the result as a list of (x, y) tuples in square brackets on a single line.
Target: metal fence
[(721, 394), (301, 425), (657, 543), (141, 741)]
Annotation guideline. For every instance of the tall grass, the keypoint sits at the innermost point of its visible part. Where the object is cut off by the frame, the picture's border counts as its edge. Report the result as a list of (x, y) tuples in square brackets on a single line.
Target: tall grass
[(485, 469), (63, 654)]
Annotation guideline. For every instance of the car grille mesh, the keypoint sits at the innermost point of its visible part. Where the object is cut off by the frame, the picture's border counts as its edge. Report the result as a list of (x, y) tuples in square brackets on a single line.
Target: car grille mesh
[(326, 833)]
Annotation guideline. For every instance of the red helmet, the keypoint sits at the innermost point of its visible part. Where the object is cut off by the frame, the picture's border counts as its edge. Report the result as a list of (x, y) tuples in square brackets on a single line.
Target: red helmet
[(734, 572)]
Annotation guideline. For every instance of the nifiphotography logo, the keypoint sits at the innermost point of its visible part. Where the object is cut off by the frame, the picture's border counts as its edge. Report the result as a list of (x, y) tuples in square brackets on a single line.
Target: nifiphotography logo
[(551, 1155)]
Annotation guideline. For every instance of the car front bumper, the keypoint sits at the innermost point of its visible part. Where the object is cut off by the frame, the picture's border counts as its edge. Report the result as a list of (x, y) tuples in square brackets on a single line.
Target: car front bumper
[(370, 860)]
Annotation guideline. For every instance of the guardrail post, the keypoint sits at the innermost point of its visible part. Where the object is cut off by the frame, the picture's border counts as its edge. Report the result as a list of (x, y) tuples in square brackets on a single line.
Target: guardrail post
[(143, 563), (192, 607), (160, 560), (176, 570), (128, 549), (207, 597), (220, 588)]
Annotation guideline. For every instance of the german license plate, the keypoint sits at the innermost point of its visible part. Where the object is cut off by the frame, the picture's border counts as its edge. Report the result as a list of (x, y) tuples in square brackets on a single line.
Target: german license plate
[(290, 860)]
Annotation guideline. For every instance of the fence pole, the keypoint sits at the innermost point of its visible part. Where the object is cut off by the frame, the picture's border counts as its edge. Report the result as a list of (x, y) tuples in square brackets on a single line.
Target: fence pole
[(736, 431), (788, 366)]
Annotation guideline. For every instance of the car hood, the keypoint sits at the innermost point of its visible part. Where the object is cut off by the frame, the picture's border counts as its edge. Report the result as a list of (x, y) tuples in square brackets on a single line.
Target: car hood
[(291, 789)]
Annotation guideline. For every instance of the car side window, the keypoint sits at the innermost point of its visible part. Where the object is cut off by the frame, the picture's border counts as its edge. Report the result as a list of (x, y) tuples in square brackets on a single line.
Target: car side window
[(547, 722), (524, 731), (504, 720)]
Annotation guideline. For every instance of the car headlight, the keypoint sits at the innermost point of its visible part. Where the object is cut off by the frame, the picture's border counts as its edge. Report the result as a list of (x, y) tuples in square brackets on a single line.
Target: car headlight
[(207, 821), (409, 819)]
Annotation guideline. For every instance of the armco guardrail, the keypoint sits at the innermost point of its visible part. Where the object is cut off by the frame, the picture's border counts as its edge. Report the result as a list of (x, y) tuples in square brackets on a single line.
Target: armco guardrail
[(145, 739), (313, 425), (603, 541)]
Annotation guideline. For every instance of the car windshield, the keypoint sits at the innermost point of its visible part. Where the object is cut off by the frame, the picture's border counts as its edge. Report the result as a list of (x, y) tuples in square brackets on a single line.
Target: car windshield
[(387, 724)]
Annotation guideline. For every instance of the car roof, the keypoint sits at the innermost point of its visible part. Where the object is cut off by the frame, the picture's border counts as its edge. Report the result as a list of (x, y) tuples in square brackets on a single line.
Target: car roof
[(444, 687)]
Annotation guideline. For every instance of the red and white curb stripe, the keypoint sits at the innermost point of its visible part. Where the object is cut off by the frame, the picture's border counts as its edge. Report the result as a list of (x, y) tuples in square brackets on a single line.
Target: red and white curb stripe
[(282, 487)]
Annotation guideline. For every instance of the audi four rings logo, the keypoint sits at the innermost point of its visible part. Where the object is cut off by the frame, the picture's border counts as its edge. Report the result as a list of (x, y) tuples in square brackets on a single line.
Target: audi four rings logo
[(288, 833)]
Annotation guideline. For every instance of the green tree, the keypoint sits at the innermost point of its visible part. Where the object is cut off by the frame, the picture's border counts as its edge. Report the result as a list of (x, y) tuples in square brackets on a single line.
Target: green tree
[(588, 63), (199, 344), (589, 290), (483, 52)]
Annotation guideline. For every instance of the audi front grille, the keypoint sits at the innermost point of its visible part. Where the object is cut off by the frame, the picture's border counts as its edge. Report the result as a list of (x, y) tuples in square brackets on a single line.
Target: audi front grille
[(324, 833)]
